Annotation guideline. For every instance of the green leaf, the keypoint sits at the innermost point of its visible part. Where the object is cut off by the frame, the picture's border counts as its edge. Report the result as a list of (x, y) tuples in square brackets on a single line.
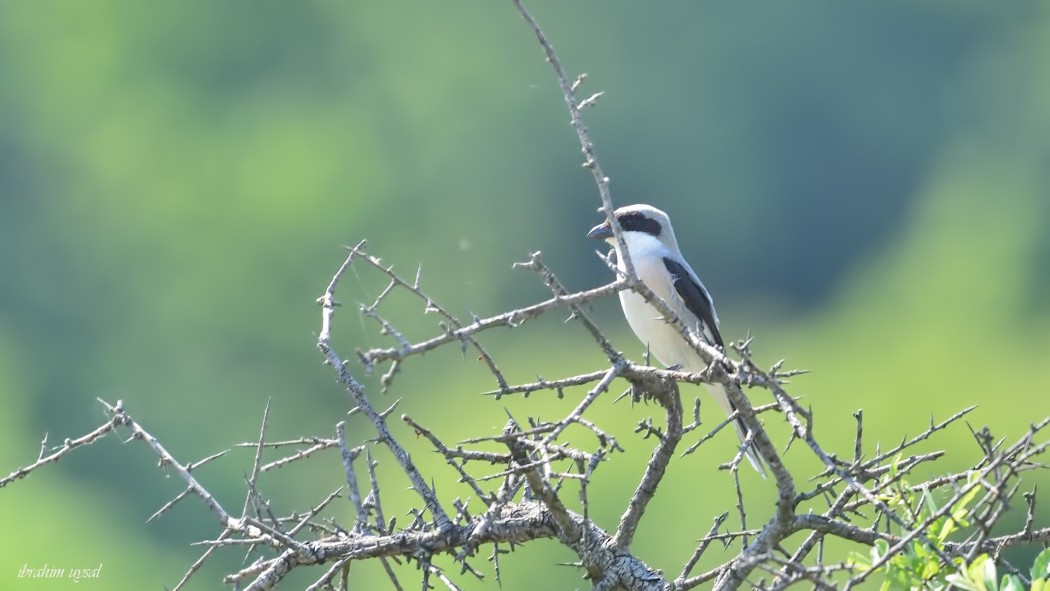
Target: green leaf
[(989, 574), (895, 466), (945, 530), (898, 578), (962, 580), (974, 573), (1011, 583), (930, 568), (962, 507), (1041, 566), (917, 552), (880, 549), (859, 561), (929, 503)]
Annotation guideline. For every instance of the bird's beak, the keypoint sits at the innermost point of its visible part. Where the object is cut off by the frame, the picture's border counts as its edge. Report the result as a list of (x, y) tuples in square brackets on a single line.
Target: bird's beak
[(602, 231)]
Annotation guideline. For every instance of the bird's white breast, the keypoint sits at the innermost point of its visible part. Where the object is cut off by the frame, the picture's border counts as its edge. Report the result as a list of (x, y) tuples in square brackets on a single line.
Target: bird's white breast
[(662, 339)]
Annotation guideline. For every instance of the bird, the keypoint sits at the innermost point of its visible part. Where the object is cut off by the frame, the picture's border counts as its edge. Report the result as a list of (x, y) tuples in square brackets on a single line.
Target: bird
[(658, 262)]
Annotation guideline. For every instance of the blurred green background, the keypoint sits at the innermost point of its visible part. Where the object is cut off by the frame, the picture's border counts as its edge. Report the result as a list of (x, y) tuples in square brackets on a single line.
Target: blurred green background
[(864, 187)]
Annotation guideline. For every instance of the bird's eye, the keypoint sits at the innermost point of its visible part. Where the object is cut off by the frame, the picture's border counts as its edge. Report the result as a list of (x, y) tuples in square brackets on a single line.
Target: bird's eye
[(636, 222)]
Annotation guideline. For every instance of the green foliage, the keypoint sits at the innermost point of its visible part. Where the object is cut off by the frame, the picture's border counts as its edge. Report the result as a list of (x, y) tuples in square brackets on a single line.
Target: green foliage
[(918, 565), (982, 575)]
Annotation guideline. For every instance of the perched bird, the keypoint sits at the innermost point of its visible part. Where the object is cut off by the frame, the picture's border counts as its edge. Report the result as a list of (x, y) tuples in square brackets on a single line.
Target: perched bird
[(660, 265)]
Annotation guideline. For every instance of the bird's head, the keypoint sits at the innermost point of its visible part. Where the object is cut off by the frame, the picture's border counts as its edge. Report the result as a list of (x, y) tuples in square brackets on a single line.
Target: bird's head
[(640, 222)]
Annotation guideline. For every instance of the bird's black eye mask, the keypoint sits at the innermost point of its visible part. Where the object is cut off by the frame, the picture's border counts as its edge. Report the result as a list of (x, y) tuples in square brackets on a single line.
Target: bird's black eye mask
[(637, 222)]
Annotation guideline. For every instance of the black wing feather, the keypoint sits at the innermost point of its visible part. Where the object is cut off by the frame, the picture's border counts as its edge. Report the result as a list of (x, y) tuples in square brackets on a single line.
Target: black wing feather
[(695, 297), (699, 302)]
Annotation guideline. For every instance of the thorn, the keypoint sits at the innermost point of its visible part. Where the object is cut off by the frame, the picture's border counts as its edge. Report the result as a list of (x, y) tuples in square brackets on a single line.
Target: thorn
[(578, 83), (590, 101)]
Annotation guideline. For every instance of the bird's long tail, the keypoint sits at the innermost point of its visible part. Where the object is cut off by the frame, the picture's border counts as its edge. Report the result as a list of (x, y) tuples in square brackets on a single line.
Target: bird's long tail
[(718, 391)]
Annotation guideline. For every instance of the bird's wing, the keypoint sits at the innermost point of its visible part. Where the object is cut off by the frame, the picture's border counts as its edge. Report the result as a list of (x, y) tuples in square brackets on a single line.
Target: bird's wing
[(696, 299)]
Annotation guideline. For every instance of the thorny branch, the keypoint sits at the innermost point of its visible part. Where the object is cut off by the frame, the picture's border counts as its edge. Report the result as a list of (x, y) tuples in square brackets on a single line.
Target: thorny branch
[(531, 482), (519, 494)]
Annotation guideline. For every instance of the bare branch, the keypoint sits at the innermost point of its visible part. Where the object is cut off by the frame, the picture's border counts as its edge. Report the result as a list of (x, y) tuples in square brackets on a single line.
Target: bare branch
[(67, 446)]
